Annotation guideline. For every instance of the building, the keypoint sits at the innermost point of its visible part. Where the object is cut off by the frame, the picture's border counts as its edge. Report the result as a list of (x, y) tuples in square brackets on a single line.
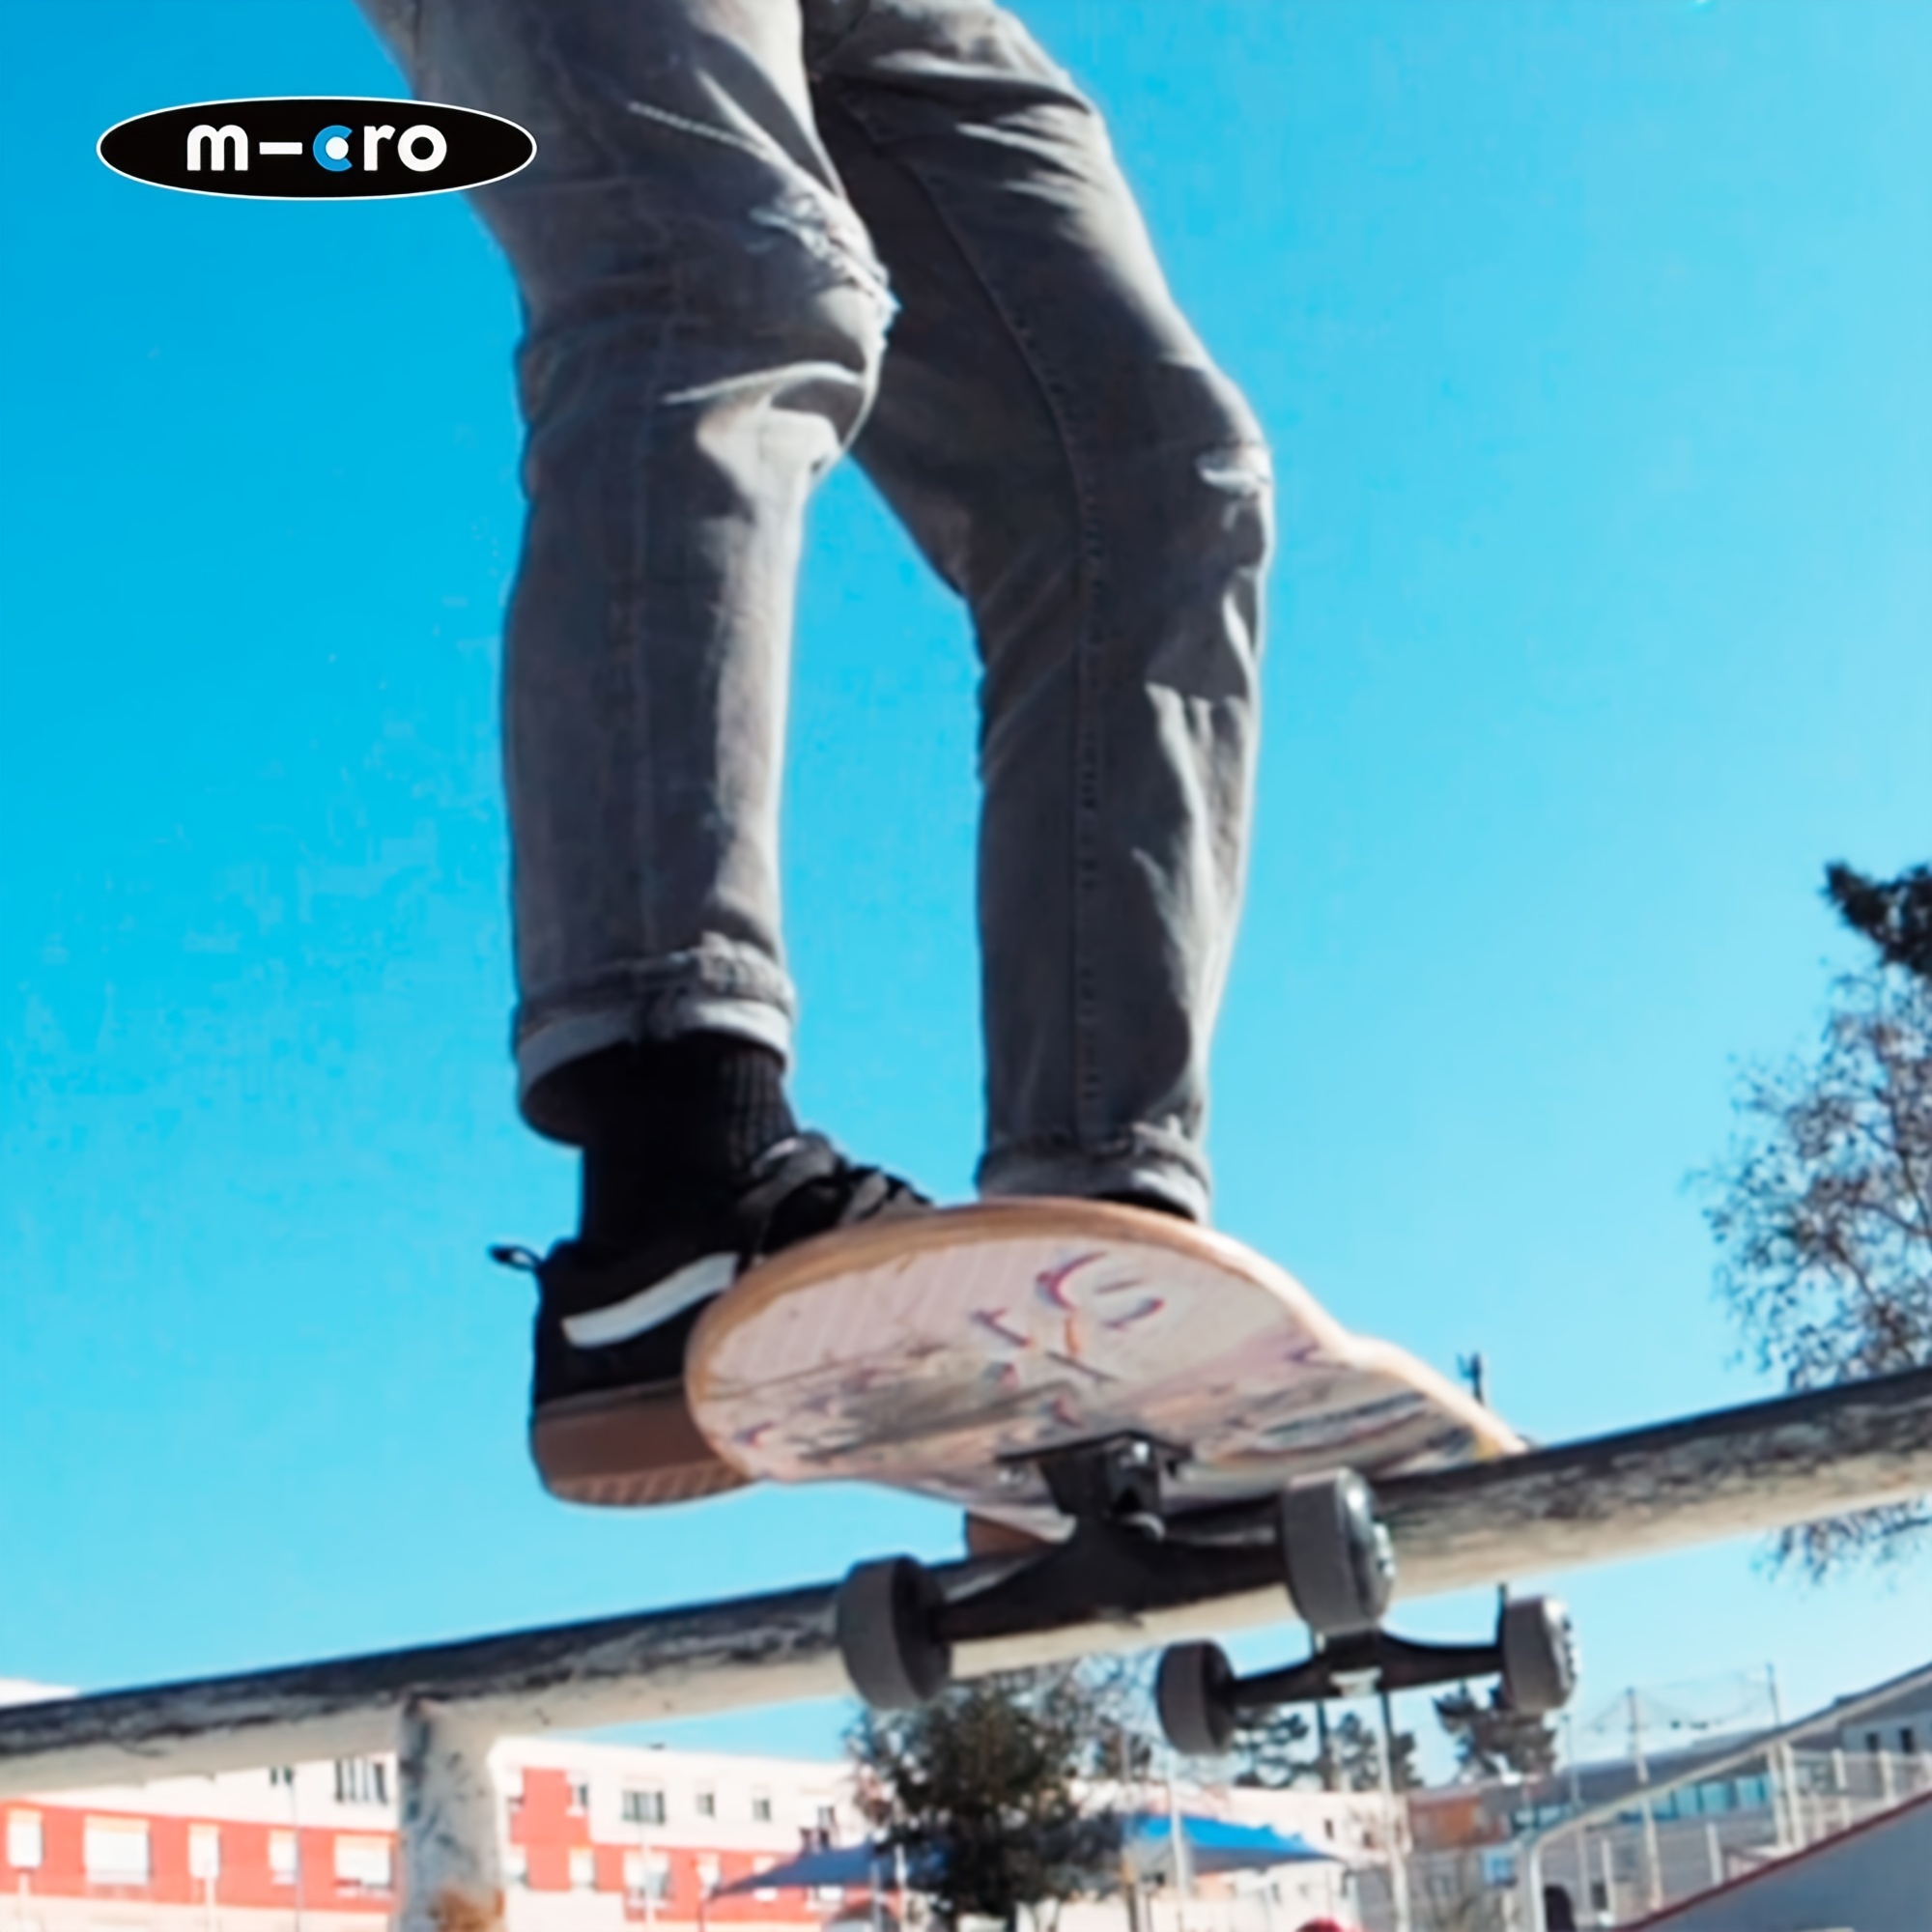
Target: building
[(1729, 1812), (595, 1838)]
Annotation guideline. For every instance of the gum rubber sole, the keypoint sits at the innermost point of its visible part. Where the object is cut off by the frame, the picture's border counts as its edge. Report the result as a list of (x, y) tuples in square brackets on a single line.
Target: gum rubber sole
[(632, 1449)]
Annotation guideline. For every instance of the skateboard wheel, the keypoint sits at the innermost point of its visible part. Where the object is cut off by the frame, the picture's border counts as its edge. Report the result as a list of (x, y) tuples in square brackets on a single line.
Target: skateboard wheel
[(1192, 1694), (883, 1617), (1538, 1648), (1336, 1558)]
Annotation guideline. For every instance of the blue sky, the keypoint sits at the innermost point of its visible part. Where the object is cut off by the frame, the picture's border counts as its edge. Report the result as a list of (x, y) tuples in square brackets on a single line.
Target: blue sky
[(1594, 342)]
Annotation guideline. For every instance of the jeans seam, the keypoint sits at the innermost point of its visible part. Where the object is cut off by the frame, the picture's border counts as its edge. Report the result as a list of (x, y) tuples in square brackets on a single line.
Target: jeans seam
[(1087, 655), (635, 622)]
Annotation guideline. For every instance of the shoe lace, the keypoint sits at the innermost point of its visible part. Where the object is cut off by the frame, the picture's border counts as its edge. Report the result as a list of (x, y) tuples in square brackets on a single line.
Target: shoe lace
[(785, 1171), (809, 1161)]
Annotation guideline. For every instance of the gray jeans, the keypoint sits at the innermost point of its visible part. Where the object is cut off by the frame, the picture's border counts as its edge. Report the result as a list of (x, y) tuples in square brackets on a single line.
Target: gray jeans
[(757, 233)]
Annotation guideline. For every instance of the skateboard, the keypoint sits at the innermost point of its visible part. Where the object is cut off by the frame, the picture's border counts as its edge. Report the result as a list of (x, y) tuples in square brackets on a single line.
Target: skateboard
[(1146, 1404)]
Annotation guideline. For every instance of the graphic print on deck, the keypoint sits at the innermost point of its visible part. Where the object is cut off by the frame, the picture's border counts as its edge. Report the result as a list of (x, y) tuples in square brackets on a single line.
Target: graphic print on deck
[(938, 1354)]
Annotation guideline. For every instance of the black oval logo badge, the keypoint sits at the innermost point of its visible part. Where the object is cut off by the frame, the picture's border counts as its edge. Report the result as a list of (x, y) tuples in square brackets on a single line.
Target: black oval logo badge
[(316, 148)]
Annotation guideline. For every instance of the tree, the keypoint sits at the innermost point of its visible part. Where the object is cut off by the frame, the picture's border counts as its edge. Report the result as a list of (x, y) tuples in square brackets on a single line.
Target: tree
[(1268, 1751), (1278, 1749), (1491, 1737), (1358, 1752), (988, 1778), (1895, 914), (1823, 1208), (1345, 1756), (1405, 1773)]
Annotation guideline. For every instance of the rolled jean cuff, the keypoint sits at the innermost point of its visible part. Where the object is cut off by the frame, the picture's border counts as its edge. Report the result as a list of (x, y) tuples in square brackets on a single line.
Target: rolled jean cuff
[(1162, 1165), (662, 1001)]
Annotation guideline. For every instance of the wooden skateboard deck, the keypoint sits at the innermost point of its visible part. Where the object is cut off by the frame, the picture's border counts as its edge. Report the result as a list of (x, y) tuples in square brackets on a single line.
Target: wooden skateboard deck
[(936, 1355)]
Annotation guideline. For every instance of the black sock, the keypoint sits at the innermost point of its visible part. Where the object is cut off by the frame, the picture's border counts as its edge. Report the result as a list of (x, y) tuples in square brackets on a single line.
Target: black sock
[(668, 1120)]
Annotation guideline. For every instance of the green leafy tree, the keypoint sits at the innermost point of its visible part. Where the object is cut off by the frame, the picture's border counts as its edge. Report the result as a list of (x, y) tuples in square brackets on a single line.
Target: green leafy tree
[(1823, 1208), (1492, 1738), (989, 1778)]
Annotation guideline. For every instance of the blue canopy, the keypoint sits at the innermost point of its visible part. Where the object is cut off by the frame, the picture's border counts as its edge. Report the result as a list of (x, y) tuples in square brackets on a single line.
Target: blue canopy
[(1213, 1845), (848, 1866)]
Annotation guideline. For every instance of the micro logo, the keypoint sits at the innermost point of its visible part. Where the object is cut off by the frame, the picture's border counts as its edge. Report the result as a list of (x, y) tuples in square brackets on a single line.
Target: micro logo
[(316, 148)]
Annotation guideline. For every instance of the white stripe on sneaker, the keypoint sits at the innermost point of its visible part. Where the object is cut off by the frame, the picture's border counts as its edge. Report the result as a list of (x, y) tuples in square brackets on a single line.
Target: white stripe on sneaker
[(695, 1282)]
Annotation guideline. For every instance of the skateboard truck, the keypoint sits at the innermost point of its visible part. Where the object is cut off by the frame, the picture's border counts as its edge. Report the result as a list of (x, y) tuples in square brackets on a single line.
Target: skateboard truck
[(1321, 1539), (1116, 1480), (1339, 1566), (895, 1628), (1202, 1700)]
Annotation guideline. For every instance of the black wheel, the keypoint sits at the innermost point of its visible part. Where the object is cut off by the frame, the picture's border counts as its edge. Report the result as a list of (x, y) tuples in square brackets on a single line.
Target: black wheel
[(884, 1618), (1336, 1558), (1539, 1650), (1191, 1693)]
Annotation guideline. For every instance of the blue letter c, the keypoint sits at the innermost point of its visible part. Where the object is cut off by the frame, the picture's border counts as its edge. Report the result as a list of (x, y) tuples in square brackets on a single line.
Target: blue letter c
[(318, 148)]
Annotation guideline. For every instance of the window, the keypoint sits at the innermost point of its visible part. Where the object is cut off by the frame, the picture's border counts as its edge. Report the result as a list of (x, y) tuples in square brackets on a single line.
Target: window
[(647, 1875), (283, 1857), (24, 1848), (1874, 1744), (580, 1794), (516, 1865), (362, 1865), (761, 1807), (828, 1824), (204, 1851), (1908, 1741), (282, 1773), (582, 1868), (707, 1803), (361, 1780), (116, 1851), (708, 1875), (643, 1808)]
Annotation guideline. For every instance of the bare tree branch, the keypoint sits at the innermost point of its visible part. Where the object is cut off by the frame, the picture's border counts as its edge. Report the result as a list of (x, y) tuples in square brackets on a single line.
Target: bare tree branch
[(1822, 1209)]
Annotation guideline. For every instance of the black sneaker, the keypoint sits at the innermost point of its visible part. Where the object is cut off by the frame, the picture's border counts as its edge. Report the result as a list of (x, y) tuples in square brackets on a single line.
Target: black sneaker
[(608, 1423)]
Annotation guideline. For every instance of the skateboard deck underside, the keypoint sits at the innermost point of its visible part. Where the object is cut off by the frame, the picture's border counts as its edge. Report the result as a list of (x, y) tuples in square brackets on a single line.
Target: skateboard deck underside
[(938, 1354)]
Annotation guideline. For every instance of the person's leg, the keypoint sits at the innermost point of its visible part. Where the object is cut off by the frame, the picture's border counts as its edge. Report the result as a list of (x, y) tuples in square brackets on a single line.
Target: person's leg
[(1057, 440), (705, 323)]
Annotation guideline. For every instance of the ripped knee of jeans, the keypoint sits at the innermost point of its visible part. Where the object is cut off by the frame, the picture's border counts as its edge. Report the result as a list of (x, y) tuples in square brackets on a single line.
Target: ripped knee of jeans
[(828, 230)]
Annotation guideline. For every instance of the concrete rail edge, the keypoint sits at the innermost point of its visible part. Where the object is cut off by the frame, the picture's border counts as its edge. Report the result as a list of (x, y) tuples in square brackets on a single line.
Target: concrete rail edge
[(1729, 1472)]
